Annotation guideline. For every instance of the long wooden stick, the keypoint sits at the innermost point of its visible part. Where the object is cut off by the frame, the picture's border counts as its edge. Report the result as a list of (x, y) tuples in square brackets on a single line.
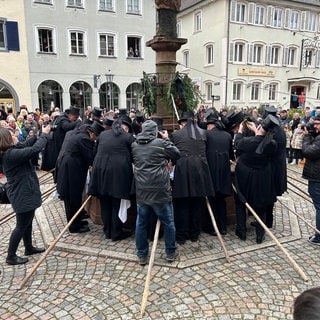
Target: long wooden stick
[(53, 244), (292, 262), (299, 216), (147, 284), (216, 229)]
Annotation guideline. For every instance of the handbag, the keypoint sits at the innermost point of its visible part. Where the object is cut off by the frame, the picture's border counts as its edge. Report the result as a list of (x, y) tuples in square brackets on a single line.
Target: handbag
[(3, 194)]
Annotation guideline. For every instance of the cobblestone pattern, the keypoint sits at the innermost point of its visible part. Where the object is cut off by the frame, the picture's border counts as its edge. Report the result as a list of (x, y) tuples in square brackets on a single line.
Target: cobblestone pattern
[(90, 277)]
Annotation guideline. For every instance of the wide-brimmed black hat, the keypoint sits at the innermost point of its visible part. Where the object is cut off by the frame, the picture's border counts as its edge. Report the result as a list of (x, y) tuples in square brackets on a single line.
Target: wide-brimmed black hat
[(97, 112), (269, 110), (186, 115), (212, 118), (127, 121), (139, 116), (270, 122), (96, 127), (234, 118)]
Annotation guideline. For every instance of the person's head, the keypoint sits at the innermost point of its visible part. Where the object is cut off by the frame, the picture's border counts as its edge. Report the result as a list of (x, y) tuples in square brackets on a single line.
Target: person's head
[(296, 116), (283, 114), (73, 113), (307, 305), (30, 117), (316, 123), (95, 129), (150, 127), (6, 140)]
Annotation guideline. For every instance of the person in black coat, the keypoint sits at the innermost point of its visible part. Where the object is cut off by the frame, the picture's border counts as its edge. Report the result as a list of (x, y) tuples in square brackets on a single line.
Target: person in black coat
[(219, 153), (60, 126), (192, 181), (112, 175), (22, 187), (75, 157), (253, 174), (278, 163)]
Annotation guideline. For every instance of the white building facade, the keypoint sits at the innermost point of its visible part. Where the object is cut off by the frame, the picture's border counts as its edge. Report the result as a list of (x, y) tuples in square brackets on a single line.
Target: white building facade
[(248, 54), (79, 52)]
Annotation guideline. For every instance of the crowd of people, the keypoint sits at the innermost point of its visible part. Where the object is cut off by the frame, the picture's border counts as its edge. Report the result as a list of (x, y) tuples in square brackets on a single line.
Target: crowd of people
[(128, 160)]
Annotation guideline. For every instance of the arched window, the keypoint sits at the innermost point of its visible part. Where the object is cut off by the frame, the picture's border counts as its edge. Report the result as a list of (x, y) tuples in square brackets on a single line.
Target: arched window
[(49, 95), (109, 95), (80, 95), (132, 96)]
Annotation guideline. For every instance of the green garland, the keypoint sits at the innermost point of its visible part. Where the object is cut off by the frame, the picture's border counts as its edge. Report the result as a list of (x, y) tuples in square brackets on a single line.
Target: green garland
[(149, 94)]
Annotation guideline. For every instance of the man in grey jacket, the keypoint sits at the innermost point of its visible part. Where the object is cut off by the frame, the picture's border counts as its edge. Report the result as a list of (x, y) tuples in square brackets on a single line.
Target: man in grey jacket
[(151, 156), (311, 170)]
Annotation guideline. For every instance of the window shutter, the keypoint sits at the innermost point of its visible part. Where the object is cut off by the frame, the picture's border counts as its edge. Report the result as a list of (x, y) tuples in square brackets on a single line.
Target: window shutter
[(268, 55), (249, 53), (12, 35), (303, 21), (231, 49), (233, 11), (287, 15), (270, 11), (251, 13), (285, 57)]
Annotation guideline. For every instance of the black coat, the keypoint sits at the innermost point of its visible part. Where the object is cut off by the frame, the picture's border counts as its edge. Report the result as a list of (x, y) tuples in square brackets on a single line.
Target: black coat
[(219, 151), (61, 126), (279, 161), (191, 174), (112, 171), (253, 174), (22, 181), (311, 151), (74, 159)]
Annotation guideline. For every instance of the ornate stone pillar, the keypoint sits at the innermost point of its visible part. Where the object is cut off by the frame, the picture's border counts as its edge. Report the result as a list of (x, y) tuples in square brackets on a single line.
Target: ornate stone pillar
[(165, 43)]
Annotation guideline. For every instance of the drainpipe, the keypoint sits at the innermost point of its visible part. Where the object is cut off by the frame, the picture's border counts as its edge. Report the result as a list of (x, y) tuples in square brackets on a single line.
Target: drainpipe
[(227, 64)]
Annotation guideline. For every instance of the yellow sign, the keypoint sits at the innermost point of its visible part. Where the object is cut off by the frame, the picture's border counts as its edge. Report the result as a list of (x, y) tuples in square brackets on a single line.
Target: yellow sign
[(256, 72)]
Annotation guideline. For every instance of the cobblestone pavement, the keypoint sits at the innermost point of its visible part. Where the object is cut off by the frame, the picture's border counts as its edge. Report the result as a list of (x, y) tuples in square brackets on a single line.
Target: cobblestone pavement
[(89, 277)]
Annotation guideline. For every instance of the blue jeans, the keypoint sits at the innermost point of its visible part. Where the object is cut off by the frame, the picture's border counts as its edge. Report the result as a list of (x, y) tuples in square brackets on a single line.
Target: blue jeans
[(164, 211), (314, 191)]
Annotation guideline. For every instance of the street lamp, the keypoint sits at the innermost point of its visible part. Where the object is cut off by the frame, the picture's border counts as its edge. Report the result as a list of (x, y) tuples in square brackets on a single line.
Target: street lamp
[(109, 77)]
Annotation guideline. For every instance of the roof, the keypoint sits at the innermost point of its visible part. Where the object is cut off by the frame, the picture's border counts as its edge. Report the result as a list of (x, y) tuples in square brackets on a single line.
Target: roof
[(185, 4)]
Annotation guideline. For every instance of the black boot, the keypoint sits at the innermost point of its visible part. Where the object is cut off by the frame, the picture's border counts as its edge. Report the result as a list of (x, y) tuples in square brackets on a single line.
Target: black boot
[(33, 250)]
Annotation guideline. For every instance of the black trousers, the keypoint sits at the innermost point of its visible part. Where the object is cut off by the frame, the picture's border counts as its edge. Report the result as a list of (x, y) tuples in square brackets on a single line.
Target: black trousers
[(187, 217), (112, 225), (23, 230), (219, 207), (72, 205)]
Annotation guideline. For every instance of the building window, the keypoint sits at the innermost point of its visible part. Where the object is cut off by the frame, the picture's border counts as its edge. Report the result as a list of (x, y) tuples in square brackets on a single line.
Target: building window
[(318, 92), (259, 14), (3, 41), (179, 29), (289, 56), (9, 35), (209, 91), (77, 42), (134, 47), (237, 91), (209, 54), (197, 22), (75, 3), (238, 12), (275, 17), (255, 53), (292, 19), (236, 52), (133, 6), (317, 64), (106, 5), (309, 21), (107, 45), (132, 95), (186, 59), (255, 90), (308, 57), (273, 55), (43, 1), (272, 92), (45, 40)]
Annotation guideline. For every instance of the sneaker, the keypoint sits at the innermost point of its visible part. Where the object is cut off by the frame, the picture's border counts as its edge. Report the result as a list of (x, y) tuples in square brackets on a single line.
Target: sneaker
[(172, 257), (314, 240), (143, 260)]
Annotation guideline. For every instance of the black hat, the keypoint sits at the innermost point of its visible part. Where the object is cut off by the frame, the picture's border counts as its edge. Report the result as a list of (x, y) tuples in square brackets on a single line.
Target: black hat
[(212, 118), (96, 127), (270, 122), (186, 115), (108, 121), (122, 112), (73, 110), (269, 110), (127, 121), (97, 112), (235, 118), (139, 116)]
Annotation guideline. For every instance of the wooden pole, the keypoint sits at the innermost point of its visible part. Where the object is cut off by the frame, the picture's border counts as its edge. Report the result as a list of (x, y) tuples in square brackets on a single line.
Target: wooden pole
[(216, 229), (292, 262), (53, 244), (147, 284), (299, 216)]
